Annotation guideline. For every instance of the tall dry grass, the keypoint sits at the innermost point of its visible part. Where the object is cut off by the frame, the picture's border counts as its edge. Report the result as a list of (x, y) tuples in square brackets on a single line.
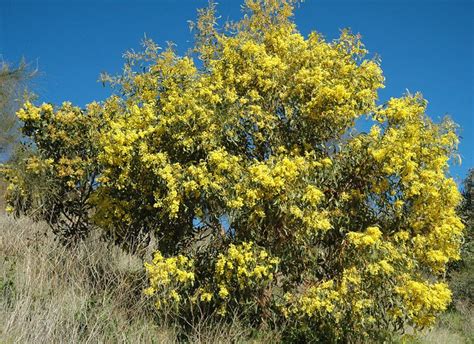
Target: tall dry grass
[(54, 294), (91, 293)]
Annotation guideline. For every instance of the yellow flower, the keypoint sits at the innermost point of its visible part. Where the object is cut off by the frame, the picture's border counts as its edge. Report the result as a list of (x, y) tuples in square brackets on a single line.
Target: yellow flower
[(223, 292), (206, 297), (175, 296), (326, 162)]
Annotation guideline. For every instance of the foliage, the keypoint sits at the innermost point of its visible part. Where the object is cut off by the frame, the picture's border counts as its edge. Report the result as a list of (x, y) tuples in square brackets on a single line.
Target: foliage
[(241, 277), (461, 273), (13, 87), (242, 159), (56, 178), (467, 206)]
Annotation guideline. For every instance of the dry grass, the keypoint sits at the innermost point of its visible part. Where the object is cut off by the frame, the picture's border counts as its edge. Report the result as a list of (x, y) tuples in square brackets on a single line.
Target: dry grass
[(454, 327), (88, 294), (52, 294)]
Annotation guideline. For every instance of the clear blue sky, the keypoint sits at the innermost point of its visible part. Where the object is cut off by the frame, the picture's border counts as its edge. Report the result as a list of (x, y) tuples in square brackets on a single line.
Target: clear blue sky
[(425, 45)]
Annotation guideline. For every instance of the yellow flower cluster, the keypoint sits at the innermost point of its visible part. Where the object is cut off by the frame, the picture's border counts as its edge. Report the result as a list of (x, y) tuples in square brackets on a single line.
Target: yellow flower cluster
[(370, 237), (29, 112), (169, 278), (241, 273), (333, 301), (416, 150), (245, 266), (424, 300), (36, 165), (313, 195), (319, 298)]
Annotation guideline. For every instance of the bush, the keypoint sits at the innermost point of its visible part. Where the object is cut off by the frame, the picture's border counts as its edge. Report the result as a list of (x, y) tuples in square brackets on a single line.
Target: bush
[(265, 201), (53, 174)]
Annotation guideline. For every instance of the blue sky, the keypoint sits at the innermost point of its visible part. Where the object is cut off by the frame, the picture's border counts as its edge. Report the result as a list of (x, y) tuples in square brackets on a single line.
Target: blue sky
[(425, 45)]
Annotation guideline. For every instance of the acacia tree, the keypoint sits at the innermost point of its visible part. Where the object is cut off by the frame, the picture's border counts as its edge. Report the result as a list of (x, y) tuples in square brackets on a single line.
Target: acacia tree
[(242, 158)]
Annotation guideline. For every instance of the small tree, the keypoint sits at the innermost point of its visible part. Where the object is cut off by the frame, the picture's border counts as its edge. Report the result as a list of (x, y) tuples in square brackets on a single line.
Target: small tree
[(265, 199), (13, 87)]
